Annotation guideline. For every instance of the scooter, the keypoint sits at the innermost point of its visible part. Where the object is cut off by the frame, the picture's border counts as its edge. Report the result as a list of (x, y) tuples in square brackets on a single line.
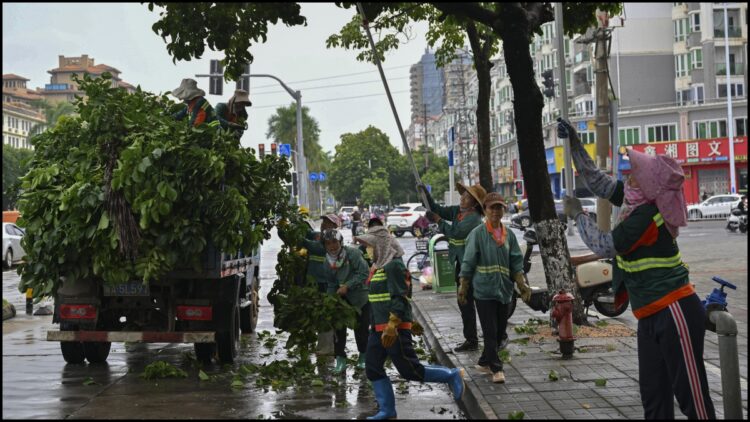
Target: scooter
[(594, 281), (737, 220)]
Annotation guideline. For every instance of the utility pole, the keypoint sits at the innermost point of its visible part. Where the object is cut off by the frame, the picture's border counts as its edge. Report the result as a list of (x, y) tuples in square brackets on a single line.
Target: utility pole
[(603, 38), (564, 103), (426, 159)]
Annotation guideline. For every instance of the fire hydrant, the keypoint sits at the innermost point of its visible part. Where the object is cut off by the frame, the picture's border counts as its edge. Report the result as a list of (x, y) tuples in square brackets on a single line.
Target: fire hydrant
[(562, 311)]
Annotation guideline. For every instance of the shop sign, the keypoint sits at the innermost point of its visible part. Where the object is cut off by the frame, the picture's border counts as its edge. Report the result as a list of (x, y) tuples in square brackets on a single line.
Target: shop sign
[(697, 151)]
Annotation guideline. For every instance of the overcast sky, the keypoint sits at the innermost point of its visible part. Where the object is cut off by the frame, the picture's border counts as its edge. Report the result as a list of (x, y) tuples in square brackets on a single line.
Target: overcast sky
[(120, 35)]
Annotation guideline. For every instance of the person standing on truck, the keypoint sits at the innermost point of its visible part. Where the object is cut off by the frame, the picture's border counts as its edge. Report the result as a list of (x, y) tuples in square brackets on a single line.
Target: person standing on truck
[(463, 218), (391, 328), (233, 113), (346, 273), (492, 264), (650, 272), (197, 108)]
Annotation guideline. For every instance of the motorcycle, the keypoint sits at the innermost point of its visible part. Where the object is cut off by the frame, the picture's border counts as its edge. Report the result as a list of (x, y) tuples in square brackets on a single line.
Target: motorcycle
[(594, 281), (737, 220)]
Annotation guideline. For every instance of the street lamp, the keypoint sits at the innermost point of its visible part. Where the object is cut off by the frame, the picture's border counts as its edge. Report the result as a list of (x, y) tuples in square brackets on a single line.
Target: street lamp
[(302, 165)]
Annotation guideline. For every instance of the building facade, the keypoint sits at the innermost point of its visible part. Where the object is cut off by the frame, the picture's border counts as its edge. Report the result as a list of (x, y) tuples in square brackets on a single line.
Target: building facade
[(63, 88), (426, 98), (20, 117)]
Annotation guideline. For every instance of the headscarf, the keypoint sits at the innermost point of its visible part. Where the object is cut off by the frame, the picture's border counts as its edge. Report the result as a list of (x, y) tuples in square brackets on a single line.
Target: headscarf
[(386, 248), (660, 178)]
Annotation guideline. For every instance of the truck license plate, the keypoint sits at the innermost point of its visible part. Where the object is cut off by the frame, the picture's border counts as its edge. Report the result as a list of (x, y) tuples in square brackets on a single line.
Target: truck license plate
[(133, 288)]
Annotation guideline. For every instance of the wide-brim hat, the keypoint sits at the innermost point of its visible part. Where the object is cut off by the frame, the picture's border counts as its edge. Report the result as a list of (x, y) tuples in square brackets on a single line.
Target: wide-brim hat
[(333, 218), (188, 90), (241, 97), (493, 198), (660, 178), (476, 191)]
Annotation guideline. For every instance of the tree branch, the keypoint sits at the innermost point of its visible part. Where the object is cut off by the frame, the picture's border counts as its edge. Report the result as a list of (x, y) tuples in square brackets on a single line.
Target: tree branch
[(538, 14), (473, 11)]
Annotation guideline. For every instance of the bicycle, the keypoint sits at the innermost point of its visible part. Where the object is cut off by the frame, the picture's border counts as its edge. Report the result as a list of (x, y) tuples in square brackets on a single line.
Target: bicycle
[(419, 260)]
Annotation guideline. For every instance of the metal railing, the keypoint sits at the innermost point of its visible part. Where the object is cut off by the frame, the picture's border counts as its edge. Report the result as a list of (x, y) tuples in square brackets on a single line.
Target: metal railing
[(735, 69), (734, 32)]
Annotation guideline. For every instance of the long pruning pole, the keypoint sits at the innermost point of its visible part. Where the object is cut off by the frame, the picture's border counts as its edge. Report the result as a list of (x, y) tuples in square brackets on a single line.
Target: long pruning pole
[(365, 23)]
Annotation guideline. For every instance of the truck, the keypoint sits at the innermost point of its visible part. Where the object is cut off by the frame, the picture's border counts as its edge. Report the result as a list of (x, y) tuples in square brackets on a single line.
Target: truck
[(209, 308)]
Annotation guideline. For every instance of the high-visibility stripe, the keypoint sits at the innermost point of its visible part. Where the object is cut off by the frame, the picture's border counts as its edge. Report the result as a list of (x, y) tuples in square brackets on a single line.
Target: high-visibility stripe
[(402, 326), (214, 123), (648, 263), (664, 301), (457, 242), (493, 269), (317, 258), (380, 297), (658, 219)]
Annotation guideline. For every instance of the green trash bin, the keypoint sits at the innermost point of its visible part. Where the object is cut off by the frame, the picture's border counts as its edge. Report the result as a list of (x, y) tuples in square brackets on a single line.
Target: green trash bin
[(444, 272)]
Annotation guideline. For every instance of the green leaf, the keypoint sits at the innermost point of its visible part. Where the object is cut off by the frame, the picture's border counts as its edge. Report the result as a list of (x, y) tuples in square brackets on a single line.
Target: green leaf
[(203, 376), (601, 382), (103, 222), (237, 384), (317, 383), (90, 381), (553, 375), (517, 415), (145, 164)]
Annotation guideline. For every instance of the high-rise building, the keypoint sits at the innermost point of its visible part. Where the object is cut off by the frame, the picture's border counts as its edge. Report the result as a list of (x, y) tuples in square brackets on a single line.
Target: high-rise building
[(63, 88), (426, 88)]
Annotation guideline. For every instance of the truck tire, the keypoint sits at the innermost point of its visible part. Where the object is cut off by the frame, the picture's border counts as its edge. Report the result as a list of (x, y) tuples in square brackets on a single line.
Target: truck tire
[(204, 352), (249, 314), (228, 336), (72, 351), (96, 352)]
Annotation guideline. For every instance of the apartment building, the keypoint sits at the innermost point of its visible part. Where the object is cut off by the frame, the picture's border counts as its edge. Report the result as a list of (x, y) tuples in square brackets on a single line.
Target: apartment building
[(19, 116), (63, 88)]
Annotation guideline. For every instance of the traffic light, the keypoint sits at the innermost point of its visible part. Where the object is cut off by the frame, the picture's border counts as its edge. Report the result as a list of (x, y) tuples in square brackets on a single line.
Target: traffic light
[(549, 83), (262, 150), (216, 83), (519, 188), (274, 146)]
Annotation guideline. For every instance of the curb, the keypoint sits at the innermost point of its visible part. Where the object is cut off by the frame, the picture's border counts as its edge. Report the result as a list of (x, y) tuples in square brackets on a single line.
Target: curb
[(472, 400)]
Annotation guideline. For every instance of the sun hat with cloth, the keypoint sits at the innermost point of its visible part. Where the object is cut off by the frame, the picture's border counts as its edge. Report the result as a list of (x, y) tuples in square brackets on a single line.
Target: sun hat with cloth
[(386, 247), (494, 198), (476, 191), (333, 218), (660, 178), (240, 97), (188, 90)]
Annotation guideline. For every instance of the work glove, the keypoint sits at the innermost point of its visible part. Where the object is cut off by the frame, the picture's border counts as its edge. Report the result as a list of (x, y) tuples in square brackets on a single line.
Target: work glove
[(417, 329), (302, 252), (390, 332), (566, 130), (343, 290), (434, 218), (463, 290), (523, 287), (572, 207)]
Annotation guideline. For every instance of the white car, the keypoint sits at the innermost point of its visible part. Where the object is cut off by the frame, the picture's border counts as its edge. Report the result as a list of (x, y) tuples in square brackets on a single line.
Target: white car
[(717, 206), (12, 250), (402, 218)]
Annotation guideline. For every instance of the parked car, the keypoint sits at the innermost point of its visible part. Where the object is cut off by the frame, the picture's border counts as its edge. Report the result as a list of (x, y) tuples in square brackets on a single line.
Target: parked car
[(12, 250), (717, 206), (401, 220), (523, 219)]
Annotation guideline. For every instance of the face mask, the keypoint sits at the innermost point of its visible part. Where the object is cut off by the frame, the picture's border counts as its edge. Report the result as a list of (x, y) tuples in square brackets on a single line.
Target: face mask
[(634, 196)]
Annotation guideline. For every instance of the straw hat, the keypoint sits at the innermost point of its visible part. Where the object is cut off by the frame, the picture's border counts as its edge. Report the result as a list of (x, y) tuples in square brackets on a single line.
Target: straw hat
[(493, 198), (476, 191), (188, 90)]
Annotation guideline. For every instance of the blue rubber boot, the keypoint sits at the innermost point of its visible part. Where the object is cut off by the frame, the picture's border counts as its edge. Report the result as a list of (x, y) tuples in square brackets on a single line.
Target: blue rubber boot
[(386, 400), (361, 362), (454, 377), (340, 365)]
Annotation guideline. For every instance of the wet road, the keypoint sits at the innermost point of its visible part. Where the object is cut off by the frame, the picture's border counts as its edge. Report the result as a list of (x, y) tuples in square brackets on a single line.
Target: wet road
[(38, 384)]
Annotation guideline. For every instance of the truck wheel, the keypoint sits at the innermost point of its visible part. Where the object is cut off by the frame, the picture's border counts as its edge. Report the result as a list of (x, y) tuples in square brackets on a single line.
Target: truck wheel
[(249, 314), (228, 338), (96, 352), (204, 352), (72, 351)]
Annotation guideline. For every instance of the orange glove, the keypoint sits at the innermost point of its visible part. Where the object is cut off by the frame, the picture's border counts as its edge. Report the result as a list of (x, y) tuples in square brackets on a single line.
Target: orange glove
[(390, 332)]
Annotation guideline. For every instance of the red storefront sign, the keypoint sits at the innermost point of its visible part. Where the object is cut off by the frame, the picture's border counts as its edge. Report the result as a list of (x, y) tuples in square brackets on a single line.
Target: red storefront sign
[(700, 151)]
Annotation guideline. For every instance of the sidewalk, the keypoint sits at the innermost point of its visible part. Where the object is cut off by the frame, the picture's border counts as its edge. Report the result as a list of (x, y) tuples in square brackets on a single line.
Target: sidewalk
[(527, 387)]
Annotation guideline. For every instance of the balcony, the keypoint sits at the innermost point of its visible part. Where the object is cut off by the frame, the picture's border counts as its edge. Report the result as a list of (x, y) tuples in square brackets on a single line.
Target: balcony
[(734, 32), (736, 69), (582, 56)]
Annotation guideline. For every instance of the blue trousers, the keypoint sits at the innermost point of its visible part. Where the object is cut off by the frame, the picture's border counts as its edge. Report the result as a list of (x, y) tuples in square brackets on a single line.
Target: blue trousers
[(402, 355), (670, 361)]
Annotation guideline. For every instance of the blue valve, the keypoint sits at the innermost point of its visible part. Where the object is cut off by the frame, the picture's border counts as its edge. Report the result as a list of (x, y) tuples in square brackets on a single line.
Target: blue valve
[(718, 297)]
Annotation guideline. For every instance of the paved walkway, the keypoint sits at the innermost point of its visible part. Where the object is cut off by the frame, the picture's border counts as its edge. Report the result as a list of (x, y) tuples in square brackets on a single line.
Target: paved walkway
[(528, 387)]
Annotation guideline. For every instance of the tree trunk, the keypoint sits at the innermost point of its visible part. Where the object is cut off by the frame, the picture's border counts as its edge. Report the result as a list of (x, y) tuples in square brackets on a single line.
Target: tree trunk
[(483, 66), (527, 107)]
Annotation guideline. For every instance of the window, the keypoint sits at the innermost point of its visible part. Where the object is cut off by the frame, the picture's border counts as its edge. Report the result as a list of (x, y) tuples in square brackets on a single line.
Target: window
[(587, 137), (661, 133), (684, 97), (682, 64), (737, 90), (710, 129), (740, 127), (680, 29), (630, 136), (695, 22), (697, 58), (698, 93)]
